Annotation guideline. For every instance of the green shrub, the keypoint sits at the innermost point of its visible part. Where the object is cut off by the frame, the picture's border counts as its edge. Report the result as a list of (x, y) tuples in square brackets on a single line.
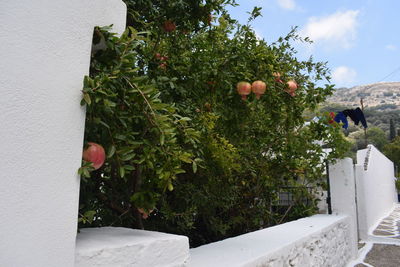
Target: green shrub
[(181, 141)]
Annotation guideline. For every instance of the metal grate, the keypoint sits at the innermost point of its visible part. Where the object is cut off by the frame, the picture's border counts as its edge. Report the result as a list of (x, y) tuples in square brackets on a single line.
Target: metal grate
[(292, 195)]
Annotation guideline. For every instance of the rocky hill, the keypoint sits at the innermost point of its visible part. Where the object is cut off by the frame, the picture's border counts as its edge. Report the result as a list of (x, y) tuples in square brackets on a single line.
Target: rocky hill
[(381, 102), (380, 95)]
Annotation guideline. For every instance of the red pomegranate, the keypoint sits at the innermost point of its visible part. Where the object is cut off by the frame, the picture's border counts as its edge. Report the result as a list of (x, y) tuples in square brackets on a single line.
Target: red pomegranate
[(144, 214), (169, 26), (292, 87), (95, 154), (244, 89), (258, 88)]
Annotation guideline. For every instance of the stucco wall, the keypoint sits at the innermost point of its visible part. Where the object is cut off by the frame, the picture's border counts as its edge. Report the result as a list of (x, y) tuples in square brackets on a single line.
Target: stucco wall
[(376, 192), (116, 246), (320, 240), (45, 52), (343, 196)]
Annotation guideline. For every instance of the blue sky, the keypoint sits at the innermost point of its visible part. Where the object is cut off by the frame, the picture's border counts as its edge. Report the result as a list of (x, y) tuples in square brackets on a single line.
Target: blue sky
[(359, 39)]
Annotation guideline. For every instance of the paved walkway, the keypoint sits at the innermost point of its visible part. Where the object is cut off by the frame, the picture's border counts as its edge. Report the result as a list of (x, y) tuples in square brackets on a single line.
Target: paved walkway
[(384, 248), (389, 226)]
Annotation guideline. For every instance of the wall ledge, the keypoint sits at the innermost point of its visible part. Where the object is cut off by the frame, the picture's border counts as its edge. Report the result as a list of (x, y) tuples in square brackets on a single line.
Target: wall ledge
[(319, 240), (117, 246)]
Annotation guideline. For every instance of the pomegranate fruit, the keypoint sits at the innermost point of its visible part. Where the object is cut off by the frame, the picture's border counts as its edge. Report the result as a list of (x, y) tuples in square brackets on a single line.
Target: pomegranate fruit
[(95, 154), (169, 26), (292, 87), (144, 214), (258, 88), (244, 89)]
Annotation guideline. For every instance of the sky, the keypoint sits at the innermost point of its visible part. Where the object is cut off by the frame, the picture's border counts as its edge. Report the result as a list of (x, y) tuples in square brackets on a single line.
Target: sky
[(360, 40)]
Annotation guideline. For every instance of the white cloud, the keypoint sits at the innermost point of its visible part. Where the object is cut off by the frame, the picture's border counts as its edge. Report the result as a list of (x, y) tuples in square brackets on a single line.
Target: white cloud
[(258, 34), (287, 4), (391, 47), (344, 76), (335, 30)]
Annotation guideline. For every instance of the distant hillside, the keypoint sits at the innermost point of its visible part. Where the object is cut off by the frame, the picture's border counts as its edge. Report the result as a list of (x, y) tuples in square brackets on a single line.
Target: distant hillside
[(381, 102), (385, 95)]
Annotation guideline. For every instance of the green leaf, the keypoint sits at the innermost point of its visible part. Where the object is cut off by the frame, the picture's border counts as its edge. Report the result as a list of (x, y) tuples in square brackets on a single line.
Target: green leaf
[(170, 187), (127, 157), (185, 157), (86, 81), (129, 167), (105, 124), (109, 103), (194, 166), (86, 173), (89, 215), (87, 99), (120, 137), (162, 139), (121, 172), (111, 151)]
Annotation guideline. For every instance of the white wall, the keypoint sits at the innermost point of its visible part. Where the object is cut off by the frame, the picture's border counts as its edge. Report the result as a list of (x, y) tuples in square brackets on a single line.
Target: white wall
[(376, 192), (116, 246), (361, 203), (45, 52), (320, 240), (343, 196)]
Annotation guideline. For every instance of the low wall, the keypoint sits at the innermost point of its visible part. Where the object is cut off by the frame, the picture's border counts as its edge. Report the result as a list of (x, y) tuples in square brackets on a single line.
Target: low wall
[(376, 192), (320, 240), (116, 246)]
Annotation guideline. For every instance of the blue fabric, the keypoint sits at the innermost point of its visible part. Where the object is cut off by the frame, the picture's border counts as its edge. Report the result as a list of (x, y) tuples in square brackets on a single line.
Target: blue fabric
[(357, 116), (360, 117), (340, 117)]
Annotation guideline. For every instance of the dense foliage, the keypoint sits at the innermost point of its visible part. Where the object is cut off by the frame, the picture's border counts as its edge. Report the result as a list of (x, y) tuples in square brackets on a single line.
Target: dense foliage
[(392, 151), (182, 145)]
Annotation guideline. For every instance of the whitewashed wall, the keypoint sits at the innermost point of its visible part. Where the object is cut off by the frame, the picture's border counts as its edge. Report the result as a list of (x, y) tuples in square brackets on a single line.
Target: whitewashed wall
[(116, 246), (45, 52), (343, 196), (376, 192), (320, 240)]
